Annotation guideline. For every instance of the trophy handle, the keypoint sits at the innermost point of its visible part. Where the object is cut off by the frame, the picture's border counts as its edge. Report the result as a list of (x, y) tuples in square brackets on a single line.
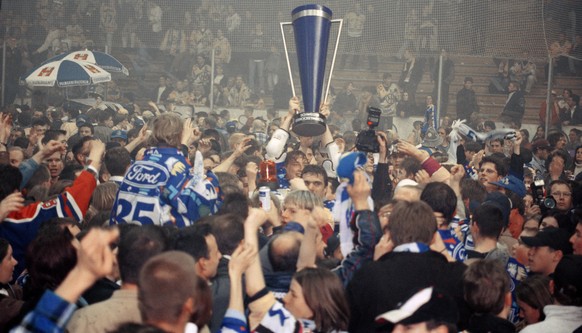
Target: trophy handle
[(339, 33), (287, 55)]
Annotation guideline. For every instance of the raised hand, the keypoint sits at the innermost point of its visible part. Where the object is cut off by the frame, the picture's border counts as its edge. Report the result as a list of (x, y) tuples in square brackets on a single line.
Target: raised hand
[(11, 203), (359, 191)]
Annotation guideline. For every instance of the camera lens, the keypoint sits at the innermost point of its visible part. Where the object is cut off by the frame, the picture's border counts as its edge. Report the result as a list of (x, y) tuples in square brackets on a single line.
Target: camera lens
[(549, 202)]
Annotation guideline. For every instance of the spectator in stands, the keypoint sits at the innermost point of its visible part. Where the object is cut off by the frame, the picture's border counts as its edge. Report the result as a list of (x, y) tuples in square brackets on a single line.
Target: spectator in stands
[(154, 16), (257, 42), (499, 83), (108, 23), (388, 95), (555, 121), (559, 49), (411, 74), (514, 108), (466, 100), (222, 50), (345, 99), (524, 72), (355, 20), (572, 115)]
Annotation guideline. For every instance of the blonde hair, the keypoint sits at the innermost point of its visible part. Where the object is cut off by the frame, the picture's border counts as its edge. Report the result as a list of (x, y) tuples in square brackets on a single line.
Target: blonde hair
[(167, 130), (303, 200)]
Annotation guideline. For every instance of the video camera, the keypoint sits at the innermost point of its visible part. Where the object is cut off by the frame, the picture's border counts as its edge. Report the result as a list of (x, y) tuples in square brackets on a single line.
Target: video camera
[(366, 140), (544, 202)]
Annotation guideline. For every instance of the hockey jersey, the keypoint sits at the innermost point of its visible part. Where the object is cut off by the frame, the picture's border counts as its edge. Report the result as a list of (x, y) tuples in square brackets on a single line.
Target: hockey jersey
[(163, 189), (21, 227)]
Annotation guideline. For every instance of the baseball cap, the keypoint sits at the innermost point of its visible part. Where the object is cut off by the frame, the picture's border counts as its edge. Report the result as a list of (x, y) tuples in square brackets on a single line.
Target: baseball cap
[(568, 275), (555, 238), (540, 143), (81, 119), (500, 201), (513, 184), (427, 304), (119, 134)]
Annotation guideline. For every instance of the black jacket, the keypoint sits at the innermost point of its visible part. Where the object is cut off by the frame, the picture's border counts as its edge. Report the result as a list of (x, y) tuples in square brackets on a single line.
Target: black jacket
[(488, 323), (515, 106), (379, 286)]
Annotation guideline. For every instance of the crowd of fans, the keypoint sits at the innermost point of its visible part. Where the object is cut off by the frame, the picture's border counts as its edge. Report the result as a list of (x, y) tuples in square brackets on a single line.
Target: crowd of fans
[(130, 218), (476, 231)]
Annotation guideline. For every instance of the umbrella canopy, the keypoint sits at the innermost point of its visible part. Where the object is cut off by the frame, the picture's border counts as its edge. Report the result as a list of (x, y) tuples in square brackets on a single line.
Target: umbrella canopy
[(67, 73), (101, 59)]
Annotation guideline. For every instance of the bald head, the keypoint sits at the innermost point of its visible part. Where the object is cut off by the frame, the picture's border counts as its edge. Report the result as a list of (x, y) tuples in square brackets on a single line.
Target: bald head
[(284, 251)]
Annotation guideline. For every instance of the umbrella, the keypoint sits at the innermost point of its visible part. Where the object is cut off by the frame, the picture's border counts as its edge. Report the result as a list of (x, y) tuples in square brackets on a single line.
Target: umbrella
[(67, 73), (101, 59)]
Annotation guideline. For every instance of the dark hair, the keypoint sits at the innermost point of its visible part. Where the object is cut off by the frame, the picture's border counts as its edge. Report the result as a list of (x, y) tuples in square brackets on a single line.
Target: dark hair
[(191, 241), (137, 244), (410, 165), (283, 257), (70, 170), (292, 156), (441, 198), (4, 244), (485, 284), (10, 179), (79, 145), (52, 134), (553, 138), (557, 153), (137, 328), (228, 230), (235, 203), (117, 160), (104, 115), (472, 146), (500, 166), (535, 292), (489, 123), (326, 297), (473, 190), (316, 170), (49, 258), (42, 121), (489, 218), (88, 125)]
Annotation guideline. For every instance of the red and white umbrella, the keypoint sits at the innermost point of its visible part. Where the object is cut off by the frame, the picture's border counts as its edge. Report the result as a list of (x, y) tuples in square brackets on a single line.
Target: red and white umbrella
[(67, 73)]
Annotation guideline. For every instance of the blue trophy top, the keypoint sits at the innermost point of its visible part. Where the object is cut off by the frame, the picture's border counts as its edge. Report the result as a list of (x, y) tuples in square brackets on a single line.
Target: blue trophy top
[(311, 10)]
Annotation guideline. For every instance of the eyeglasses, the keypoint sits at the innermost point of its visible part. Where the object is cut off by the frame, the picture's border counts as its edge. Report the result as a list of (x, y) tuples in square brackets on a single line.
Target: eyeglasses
[(561, 194)]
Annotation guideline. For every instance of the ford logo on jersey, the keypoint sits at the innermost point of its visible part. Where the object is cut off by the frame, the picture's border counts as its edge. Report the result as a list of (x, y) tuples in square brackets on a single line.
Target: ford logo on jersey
[(146, 174)]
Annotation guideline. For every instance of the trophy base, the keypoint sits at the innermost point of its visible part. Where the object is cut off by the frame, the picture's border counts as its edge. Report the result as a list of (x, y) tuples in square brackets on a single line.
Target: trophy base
[(309, 124)]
